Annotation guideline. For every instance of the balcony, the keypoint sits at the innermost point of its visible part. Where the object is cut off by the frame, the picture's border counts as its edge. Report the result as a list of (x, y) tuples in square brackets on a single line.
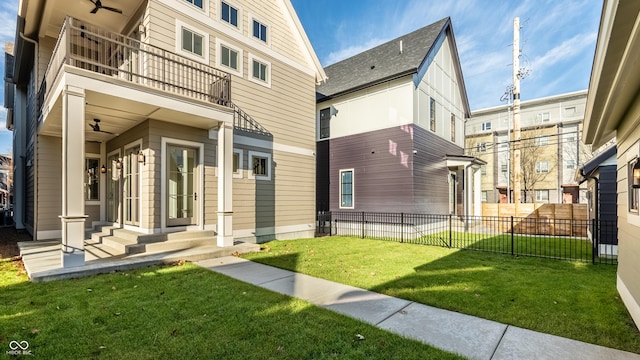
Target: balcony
[(88, 47)]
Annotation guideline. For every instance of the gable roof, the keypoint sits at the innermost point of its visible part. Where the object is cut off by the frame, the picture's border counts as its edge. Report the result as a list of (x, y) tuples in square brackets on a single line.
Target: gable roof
[(385, 62), (597, 160)]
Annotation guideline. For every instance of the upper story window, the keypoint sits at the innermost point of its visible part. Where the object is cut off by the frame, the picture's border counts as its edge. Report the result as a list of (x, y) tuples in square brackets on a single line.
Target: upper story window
[(542, 195), (192, 42), (543, 117), (571, 164), (229, 14), (259, 70), (325, 116), (542, 141), (453, 128), (259, 30), (542, 167), (198, 3), (486, 126), (432, 114), (229, 57), (481, 147), (483, 169)]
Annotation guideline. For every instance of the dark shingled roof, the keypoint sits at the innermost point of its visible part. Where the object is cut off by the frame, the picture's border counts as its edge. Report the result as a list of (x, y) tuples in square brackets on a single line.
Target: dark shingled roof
[(383, 62)]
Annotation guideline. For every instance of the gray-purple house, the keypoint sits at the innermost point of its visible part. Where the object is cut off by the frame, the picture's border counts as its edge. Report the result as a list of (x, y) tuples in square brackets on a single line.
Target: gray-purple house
[(390, 132)]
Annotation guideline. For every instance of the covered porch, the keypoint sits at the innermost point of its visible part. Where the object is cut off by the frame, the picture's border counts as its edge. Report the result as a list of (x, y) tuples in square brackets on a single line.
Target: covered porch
[(130, 125)]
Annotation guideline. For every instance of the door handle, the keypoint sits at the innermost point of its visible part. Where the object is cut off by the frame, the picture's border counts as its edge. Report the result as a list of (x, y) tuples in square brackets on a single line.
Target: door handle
[(195, 196)]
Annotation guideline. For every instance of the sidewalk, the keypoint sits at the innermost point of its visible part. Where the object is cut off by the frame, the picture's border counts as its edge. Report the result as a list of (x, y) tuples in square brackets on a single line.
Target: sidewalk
[(466, 335)]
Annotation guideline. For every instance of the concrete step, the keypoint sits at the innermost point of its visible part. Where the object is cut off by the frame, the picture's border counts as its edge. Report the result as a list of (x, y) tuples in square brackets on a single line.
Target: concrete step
[(98, 250), (170, 245)]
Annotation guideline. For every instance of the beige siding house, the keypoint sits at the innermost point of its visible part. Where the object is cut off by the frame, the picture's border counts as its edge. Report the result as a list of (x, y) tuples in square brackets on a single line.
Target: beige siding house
[(162, 116), (613, 110)]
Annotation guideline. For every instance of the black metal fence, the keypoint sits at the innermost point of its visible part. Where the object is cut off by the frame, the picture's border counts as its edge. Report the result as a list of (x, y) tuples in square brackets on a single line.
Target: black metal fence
[(564, 239)]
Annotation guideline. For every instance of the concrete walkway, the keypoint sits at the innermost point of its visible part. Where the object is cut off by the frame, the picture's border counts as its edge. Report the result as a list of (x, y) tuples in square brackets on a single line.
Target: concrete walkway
[(466, 335)]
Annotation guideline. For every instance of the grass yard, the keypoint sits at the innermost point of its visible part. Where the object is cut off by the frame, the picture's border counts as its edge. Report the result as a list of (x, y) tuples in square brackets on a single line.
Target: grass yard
[(180, 312), (569, 299)]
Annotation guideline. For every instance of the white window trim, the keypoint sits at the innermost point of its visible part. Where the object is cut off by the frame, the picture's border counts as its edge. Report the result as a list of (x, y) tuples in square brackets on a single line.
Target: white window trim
[(141, 211), (539, 167), (118, 154), (240, 15), (205, 42), (251, 17), (250, 174), (230, 70), (101, 179), (353, 189), (267, 82), (204, 9), (240, 173)]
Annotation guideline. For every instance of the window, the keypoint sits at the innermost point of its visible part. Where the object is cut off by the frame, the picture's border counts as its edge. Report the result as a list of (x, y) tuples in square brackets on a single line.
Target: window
[(453, 128), (542, 141), (542, 195), (92, 181), (197, 3), (229, 57), (260, 165), (484, 196), (259, 30), (481, 147), (229, 14), (570, 110), (503, 168), (325, 117), (259, 70), (634, 193), (346, 188), (542, 167), (570, 138), (571, 164), (483, 169), (543, 117), (237, 163), (192, 42), (486, 126), (432, 114)]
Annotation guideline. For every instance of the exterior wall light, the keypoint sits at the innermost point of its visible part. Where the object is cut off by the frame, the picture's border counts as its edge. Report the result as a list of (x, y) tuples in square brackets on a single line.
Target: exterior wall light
[(103, 169), (141, 157), (636, 175)]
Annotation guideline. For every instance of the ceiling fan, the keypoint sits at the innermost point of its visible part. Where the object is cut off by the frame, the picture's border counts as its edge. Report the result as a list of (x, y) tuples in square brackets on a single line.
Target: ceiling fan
[(96, 127), (98, 6)]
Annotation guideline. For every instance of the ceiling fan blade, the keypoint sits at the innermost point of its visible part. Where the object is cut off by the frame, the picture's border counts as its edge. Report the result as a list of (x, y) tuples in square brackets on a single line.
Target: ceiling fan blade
[(112, 9), (95, 10)]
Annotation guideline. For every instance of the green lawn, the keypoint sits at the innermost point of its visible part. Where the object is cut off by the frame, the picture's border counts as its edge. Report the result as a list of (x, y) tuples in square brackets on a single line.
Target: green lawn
[(569, 299), (181, 312)]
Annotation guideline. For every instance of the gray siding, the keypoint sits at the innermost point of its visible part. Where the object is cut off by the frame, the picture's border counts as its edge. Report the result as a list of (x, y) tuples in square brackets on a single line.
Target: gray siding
[(430, 172), (382, 179)]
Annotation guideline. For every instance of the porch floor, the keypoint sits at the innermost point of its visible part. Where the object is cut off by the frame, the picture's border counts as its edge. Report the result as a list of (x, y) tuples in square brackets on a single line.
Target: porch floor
[(42, 259)]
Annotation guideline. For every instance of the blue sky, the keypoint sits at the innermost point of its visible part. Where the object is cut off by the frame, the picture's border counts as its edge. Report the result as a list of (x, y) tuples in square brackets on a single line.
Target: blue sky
[(558, 39)]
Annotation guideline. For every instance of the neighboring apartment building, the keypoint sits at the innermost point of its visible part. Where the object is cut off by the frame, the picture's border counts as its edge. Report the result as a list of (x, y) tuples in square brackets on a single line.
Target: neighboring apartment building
[(159, 116), (551, 149), (613, 110), (391, 129)]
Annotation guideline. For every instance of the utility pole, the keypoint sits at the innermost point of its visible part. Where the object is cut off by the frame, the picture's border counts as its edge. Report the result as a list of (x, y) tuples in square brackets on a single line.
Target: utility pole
[(516, 110)]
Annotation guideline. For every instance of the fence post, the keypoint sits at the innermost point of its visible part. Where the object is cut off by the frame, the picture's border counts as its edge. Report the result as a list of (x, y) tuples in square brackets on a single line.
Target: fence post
[(511, 235), (363, 224), (594, 240), (450, 229), (330, 228), (401, 227)]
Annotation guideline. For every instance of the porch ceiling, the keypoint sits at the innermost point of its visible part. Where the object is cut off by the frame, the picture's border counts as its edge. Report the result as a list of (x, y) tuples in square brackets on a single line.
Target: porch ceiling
[(117, 115), (55, 11)]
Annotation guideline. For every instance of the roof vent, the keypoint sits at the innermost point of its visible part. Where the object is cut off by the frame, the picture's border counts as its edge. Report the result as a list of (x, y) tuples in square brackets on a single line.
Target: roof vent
[(401, 47)]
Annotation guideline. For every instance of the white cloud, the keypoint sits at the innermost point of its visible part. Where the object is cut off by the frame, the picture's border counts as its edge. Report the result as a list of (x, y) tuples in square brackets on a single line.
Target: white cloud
[(8, 16), (564, 51)]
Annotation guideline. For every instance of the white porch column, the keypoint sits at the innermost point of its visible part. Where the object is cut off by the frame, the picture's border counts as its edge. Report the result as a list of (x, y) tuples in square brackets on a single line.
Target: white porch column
[(477, 192), (73, 150), (225, 187)]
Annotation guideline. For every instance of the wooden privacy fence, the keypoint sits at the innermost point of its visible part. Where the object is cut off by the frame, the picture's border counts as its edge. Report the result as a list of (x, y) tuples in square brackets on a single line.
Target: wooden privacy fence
[(541, 219)]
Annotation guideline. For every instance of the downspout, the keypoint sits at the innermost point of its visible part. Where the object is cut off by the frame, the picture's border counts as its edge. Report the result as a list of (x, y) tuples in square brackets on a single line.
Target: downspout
[(34, 164)]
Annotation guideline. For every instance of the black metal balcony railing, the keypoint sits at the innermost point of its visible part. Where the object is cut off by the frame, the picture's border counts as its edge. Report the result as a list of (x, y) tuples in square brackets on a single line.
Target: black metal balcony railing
[(91, 48)]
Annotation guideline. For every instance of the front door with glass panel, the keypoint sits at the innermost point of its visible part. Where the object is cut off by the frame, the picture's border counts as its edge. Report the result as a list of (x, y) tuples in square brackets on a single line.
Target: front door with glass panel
[(181, 185)]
